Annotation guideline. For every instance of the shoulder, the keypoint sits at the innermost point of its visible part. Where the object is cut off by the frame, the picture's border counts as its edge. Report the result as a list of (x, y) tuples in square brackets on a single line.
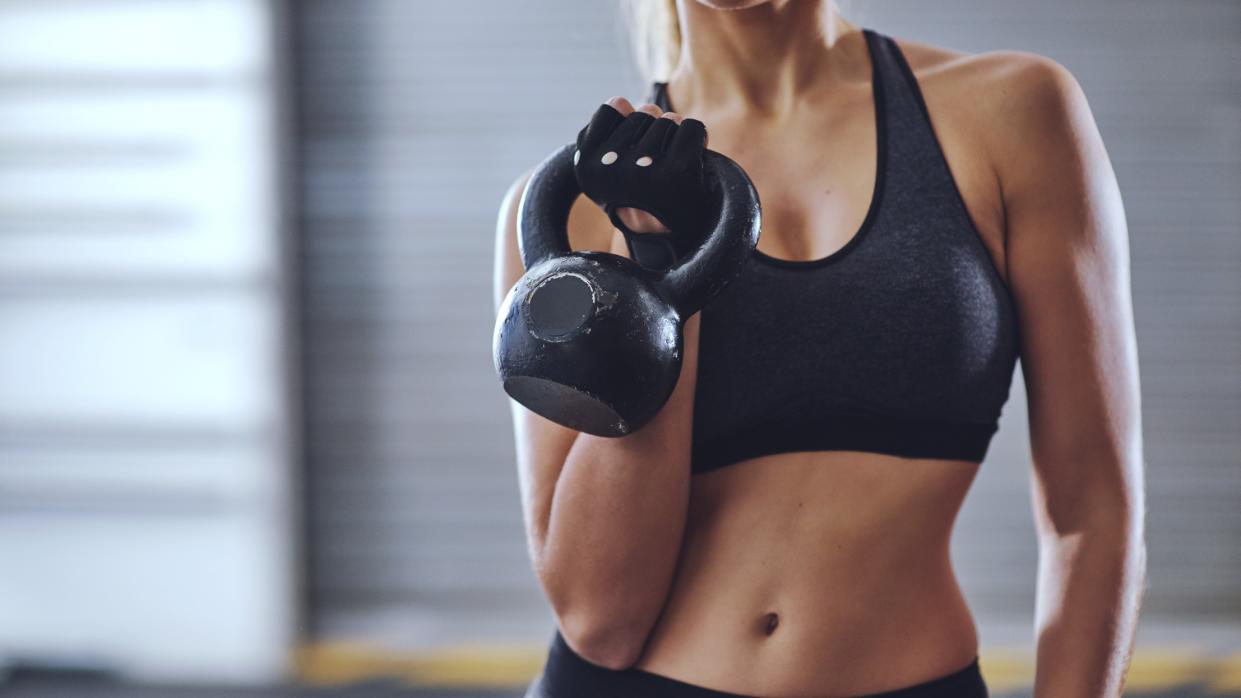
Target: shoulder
[(1027, 111), (998, 83)]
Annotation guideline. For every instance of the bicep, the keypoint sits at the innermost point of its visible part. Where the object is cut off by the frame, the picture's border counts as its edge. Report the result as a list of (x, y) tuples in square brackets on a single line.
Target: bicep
[(1068, 263), (541, 444)]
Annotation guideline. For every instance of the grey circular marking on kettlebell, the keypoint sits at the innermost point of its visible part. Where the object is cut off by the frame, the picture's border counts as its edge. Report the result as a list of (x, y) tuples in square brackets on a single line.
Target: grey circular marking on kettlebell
[(561, 322), (577, 155), (644, 161), (609, 157)]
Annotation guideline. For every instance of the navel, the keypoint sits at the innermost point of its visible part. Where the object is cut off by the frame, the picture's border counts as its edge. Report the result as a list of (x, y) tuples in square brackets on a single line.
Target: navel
[(770, 622)]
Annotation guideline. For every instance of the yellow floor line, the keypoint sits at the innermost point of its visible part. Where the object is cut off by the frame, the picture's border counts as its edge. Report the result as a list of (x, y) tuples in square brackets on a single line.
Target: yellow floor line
[(482, 665), (1005, 669), (1227, 678), (1169, 667)]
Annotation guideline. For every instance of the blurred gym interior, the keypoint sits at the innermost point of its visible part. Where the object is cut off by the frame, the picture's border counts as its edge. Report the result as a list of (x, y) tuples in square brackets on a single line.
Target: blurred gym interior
[(251, 440)]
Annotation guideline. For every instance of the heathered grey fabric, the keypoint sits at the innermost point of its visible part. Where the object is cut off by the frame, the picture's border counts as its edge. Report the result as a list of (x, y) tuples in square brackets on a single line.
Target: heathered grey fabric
[(903, 341)]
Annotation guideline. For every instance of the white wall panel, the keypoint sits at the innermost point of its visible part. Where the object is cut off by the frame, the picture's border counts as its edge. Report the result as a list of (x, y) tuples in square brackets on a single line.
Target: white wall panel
[(175, 596), (134, 181), (146, 513), (61, 37), (164, 361)]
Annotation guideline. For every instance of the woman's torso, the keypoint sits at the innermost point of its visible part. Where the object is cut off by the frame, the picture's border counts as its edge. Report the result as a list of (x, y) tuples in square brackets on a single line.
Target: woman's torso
[(849, 550), (826, 572)]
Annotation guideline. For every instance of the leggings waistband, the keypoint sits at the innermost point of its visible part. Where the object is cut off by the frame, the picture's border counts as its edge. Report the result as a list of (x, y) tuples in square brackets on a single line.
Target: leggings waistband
[(568, 675)]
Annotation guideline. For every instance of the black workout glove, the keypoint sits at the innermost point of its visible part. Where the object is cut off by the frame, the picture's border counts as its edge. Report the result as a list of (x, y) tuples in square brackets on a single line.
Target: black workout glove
[(652, 164)]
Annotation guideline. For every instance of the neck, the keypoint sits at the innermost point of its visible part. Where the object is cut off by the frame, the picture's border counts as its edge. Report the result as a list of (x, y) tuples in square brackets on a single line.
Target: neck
[(758, 61)]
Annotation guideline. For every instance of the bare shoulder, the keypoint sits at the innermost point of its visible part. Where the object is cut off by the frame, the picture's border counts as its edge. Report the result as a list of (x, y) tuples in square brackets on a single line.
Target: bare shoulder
[(996, 81), (1014, 100)]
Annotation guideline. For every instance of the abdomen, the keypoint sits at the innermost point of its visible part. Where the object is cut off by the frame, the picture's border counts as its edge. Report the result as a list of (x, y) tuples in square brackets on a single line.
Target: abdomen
[(846, 551)]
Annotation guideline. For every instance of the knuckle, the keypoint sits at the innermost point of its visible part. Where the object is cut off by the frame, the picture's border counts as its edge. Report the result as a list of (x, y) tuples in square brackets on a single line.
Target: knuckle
[(620, 104)]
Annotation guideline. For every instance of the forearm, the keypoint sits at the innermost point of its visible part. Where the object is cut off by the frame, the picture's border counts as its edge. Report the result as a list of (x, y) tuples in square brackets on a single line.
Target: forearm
[(615, 524), (1090, 587)]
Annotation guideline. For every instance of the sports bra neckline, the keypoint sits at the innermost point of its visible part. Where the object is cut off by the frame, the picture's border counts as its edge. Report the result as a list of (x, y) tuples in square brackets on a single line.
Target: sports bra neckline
[(876, 199)]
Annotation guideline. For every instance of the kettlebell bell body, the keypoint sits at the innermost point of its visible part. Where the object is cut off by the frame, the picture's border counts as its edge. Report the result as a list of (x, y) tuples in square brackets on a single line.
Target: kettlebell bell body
[(589, 340)]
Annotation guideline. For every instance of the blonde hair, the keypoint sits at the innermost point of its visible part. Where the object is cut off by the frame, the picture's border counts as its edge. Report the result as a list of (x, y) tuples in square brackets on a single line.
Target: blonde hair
[(655, 34)]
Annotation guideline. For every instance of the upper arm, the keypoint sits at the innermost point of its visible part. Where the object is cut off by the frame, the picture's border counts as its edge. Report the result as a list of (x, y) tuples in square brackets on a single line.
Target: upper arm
[(542, 445), (1068, 263)]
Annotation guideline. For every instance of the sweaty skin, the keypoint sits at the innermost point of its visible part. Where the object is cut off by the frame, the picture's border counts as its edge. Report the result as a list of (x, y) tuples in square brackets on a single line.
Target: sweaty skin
[(828, 574)]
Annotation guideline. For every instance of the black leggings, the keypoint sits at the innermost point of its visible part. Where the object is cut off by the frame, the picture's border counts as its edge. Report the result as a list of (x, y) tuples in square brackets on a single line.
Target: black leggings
[(568, 675)]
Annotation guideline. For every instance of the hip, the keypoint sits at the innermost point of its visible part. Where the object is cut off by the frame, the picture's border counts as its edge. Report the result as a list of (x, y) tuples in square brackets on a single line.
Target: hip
[(568, 675)]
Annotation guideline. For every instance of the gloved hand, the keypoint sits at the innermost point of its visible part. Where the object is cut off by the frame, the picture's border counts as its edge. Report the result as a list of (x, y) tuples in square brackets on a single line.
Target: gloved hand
[(654, 165)]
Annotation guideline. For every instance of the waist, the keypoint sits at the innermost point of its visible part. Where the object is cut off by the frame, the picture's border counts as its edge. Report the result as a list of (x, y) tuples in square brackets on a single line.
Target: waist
[(567, 675)]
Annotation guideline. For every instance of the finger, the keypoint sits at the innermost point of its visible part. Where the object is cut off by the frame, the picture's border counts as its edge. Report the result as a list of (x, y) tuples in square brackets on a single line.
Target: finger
[(601, 125), (654, 142), (627, 133), (621, 105), (678, 118), (651, 109), (689, 140), (640, 221)]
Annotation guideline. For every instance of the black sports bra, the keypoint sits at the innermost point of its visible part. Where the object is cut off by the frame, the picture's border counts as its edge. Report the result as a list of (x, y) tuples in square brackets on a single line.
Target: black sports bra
[(903, 342)]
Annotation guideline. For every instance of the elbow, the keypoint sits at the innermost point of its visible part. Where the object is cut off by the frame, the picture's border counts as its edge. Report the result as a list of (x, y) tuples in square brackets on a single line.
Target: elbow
[(611, 644), (1106, 517)]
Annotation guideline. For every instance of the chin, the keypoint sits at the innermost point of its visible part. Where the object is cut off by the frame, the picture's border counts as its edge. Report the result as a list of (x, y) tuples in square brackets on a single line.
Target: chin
[(732, 4)]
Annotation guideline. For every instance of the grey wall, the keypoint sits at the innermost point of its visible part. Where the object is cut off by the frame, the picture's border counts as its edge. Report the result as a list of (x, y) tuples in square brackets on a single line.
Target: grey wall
[(417, 116)]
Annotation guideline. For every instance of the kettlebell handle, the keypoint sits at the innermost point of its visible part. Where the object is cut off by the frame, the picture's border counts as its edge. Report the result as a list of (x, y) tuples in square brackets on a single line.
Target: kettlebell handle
[(543, 217)]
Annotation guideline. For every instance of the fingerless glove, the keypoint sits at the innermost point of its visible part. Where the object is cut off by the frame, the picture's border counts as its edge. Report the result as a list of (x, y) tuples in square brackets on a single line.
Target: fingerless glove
[(653, 164)]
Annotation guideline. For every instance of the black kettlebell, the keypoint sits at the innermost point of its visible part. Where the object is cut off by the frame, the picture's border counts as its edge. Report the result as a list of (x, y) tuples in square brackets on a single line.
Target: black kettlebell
[(591, 340)]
